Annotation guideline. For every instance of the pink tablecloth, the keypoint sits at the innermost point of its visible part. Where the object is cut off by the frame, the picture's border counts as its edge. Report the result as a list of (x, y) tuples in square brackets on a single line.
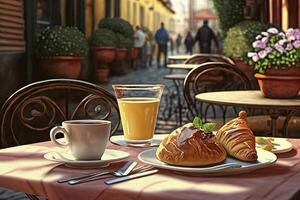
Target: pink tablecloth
[(24, 169)]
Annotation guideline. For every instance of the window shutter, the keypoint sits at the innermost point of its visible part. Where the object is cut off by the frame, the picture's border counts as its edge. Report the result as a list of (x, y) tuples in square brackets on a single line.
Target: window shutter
[(11, 26)]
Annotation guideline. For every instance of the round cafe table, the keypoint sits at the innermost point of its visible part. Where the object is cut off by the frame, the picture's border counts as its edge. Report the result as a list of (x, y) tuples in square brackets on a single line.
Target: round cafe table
[(254, 99), (178, 58)]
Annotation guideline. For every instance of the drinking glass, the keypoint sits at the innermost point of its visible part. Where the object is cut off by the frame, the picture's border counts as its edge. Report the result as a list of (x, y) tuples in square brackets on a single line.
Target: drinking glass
[(138, 105)]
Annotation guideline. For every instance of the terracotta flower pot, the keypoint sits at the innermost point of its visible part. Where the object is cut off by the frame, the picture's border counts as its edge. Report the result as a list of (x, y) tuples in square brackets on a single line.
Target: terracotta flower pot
[(121, 54), (102, 74), (134, 52), (104, 55), (280, 84), (60, 67)]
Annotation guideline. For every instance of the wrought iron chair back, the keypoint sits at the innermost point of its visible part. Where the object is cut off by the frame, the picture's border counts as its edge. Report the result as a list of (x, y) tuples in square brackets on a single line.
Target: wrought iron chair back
[(28, 115), (203, 58), (209, 77)]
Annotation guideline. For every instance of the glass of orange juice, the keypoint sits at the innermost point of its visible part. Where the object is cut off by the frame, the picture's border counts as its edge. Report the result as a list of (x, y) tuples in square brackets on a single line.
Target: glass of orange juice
[(138, 105)]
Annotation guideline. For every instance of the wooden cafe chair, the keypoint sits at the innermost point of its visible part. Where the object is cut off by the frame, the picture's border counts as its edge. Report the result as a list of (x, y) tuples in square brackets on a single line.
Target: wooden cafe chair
[(210, 77), (28, 115), (178, 79), (203, 58)]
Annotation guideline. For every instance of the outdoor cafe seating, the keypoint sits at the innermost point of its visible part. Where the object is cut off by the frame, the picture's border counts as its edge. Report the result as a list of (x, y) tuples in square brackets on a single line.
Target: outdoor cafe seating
[(31, 168), (37, 107)]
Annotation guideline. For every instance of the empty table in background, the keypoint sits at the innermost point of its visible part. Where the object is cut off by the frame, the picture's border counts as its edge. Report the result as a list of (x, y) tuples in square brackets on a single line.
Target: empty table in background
[(182, 66), (254, 99), (178, 58)]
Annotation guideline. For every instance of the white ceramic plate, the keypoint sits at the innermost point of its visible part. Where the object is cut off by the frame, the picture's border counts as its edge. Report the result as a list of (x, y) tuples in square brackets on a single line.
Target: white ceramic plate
[(110, 155), (119, 140), (281, 145), (265, 159)]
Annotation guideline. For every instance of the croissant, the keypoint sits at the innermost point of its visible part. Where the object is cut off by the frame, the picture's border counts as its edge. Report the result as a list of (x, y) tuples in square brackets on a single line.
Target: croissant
[(188, 146), (238, 139)]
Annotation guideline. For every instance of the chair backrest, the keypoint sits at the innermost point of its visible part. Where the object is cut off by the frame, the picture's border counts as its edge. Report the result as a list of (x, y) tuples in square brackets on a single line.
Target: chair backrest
[(212, 76), (28, 115), (203, 58)]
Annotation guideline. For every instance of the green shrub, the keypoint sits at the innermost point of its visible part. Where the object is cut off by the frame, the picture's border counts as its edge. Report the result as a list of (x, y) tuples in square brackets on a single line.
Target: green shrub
[(117, 25), (239, 39), (62, 41), (230, 13), (123, 42), (104, 38)]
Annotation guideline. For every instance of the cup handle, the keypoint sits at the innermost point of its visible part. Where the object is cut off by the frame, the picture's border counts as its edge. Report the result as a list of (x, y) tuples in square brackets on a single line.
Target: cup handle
[(54, 131)]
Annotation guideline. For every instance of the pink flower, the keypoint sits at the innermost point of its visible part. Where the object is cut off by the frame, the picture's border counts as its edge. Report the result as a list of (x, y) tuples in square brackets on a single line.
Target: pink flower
[(268, 50), (255, 58), (296, 44), (297, 33), (259, 44), (281, 42), (262, 54), (273, 30), (279, 48), (290, 34), (258, 37), (281, 34), (265, 34), (289, 47), (264, 40), (250, 54)]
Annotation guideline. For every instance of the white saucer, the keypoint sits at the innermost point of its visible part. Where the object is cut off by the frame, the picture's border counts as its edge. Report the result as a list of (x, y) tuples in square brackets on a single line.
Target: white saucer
[(120, 140), (110, 155), (281, 145), (265, 159)]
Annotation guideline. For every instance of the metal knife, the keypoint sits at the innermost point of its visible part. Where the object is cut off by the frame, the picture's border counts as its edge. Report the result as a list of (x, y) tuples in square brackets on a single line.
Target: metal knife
[(130, 177)]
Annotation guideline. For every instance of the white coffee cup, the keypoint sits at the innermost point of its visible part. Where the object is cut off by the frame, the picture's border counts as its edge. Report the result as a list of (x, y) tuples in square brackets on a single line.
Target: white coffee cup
[(86, 139)]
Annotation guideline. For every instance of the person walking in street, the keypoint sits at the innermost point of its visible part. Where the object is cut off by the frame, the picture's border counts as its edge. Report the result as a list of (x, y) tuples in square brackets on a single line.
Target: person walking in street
[(171, 45), (139, 41), (162, 38), (204, 36), (178, 43), (189, 43)]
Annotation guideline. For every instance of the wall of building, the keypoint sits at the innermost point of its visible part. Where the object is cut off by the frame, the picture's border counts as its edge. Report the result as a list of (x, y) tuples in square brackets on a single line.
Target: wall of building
[(149, 13)]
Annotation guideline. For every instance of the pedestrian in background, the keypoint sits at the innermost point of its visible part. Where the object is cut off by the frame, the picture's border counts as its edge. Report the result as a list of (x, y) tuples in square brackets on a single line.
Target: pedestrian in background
[(178, 43), (139, 42), (204, 36), (147, 51), (162, 38), (189, 43), (171, 45)]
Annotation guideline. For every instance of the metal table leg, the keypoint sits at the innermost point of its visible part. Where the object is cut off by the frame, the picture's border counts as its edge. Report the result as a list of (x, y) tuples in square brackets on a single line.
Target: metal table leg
[(285, 130), (179, 106), (274, 116)]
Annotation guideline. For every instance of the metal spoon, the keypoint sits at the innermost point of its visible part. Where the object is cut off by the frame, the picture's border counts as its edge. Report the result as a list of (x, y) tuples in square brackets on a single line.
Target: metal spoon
[(124, 169)]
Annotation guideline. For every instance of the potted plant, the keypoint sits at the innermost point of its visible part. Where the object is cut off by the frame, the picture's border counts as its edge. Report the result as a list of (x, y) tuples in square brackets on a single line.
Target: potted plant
[(117, 25), (122, 45), (238, 42), (276, 57), (61, 51), (103, 43), (124, 33)]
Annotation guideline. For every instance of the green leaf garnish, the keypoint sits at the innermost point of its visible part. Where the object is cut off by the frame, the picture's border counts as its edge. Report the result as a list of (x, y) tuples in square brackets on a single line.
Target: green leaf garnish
[(207, 127), (197, 122)]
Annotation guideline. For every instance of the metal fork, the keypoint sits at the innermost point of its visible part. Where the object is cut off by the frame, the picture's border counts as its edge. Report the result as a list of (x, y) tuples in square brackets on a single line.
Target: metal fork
[(124, 169), (136, 170)]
